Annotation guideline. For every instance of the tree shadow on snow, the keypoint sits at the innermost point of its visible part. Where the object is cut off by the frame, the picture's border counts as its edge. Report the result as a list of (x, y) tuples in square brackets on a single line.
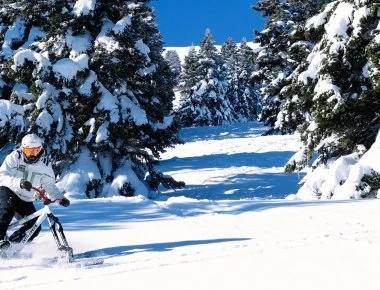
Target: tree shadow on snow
[(243, 186), (260, 160), (156, 247), (230, 131), (238, 185)]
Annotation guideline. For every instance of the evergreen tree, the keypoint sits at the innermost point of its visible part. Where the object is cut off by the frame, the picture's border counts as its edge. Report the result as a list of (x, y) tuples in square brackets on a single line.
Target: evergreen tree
[(228, 53), (206, 103), (93, 83), (188, 79), (338, 85), (171, 56), (283, 45), (239, 67), (249, 105)]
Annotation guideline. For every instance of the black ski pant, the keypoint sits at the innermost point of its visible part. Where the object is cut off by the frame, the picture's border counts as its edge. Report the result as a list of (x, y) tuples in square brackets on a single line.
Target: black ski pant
[(10, 204)]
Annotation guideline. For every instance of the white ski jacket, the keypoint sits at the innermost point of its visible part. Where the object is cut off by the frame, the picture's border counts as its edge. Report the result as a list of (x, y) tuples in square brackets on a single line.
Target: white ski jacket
[(40, 174)]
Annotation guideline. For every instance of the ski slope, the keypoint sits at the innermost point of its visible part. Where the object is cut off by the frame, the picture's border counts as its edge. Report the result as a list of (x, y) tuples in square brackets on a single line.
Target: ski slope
[(230, 228)]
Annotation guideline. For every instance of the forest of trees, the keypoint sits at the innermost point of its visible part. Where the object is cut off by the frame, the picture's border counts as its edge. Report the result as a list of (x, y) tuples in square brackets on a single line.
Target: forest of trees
[(316, 71)]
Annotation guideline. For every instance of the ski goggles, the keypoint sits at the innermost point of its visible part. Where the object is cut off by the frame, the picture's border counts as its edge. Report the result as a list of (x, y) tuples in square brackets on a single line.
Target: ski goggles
[(33, 151)]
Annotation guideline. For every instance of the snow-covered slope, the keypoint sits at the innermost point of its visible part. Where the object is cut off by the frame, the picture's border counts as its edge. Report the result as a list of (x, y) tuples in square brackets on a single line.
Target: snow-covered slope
[(219, 233)]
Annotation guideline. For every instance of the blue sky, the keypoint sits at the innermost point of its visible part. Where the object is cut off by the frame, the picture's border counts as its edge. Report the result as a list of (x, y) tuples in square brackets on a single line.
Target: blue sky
[(183, 22)]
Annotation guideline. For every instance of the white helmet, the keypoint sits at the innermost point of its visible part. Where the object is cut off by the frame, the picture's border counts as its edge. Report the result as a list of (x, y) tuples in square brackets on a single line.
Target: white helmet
[(31, 147)]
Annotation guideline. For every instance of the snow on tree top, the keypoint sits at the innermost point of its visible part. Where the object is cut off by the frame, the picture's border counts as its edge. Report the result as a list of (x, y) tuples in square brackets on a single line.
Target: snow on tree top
[(79, 43), (7, 110), (83, 7), (35, 57), (132, 111), (68, 68), (359, 14), (15, 32), (121, 24), (143, 48), (339, 21), (85, 88), (317, 20), (109, 43), (108, 102)]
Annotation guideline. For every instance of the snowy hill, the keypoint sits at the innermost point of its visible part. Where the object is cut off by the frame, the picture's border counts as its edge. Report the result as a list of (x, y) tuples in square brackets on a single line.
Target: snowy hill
[(182, 51), (221, 232)]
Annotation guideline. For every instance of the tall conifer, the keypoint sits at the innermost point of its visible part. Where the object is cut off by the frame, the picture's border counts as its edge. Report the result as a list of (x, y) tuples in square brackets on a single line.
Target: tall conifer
[(94, 85)]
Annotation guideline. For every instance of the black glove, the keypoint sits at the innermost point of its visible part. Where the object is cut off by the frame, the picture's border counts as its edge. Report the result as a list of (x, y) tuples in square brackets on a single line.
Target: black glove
[(47, 201), (64, 202), (25, 184)]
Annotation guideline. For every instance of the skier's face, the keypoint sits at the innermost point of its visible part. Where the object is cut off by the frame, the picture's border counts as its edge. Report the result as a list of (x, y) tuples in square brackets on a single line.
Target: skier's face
[(31, 153)]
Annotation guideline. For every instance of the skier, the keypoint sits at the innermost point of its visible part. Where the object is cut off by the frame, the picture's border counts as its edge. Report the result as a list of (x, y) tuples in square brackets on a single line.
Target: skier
[(23, 168)]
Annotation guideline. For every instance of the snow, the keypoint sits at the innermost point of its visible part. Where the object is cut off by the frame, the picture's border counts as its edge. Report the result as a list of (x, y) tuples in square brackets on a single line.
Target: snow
[(122, 24), (316, 20), (79, 44), (10, 112), (335, 33), (183, 51), (240, 223), (130, 110), (44, 120), (230, 228), (143, 48), (37, 58), (359, 14), (315, 59), (83, 7), (78, 175), (339, 21), (108, 102), (14, 33), (102, 133), (108, 42), (69, 68), (85, 88), (325, 85), (21, 91)]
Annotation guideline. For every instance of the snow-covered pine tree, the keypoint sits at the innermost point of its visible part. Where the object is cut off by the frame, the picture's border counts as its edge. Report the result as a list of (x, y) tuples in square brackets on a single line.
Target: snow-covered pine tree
[(283, 47), (188, 79), (206, 104), (228, 53), (171, 56), (239, 67), (248, 106), (92, 81), (341, 108), (271, 61)]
